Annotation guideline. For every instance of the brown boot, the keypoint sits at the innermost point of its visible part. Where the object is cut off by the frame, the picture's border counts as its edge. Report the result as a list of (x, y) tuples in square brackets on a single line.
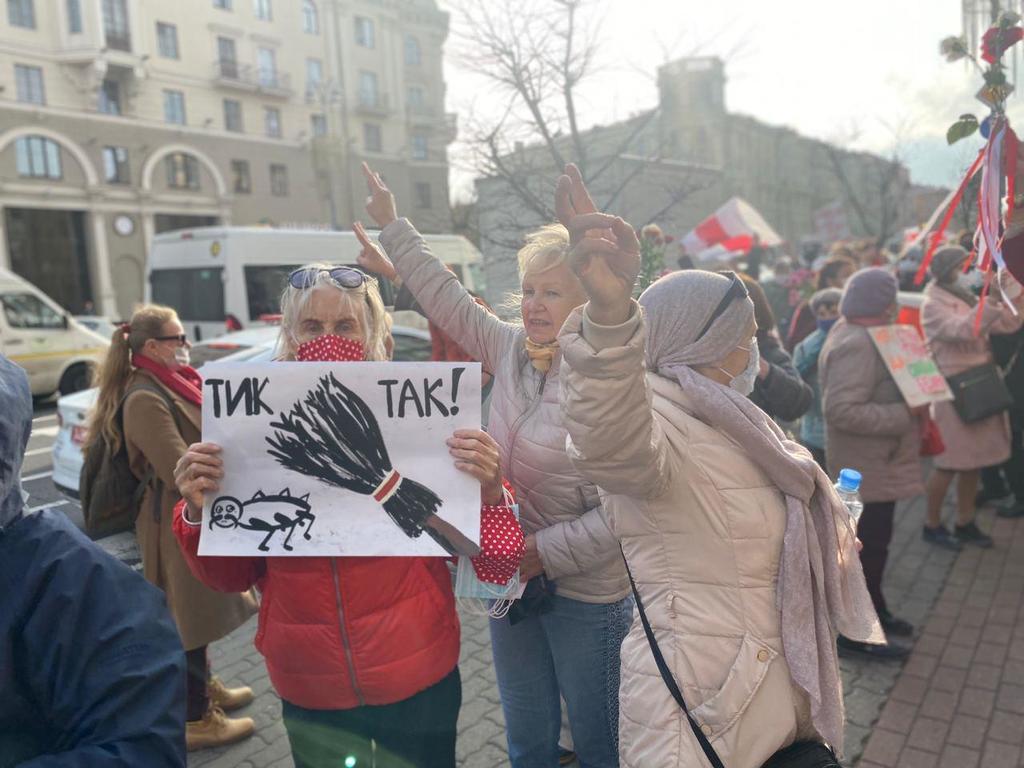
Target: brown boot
[(216, 730), (228, 699)]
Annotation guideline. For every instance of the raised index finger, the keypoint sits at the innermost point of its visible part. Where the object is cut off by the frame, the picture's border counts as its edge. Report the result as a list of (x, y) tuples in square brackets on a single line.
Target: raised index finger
[(372, 180), (581, 199), (564, 208), (361, 235)]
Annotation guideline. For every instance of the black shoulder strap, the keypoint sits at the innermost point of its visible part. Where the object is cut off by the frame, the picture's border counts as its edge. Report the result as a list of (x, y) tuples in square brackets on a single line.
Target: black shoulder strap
[(666, 674)]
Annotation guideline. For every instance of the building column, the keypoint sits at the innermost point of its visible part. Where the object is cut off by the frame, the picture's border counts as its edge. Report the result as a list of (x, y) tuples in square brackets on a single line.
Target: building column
[(106, 304), (5, 259), (148, 233)]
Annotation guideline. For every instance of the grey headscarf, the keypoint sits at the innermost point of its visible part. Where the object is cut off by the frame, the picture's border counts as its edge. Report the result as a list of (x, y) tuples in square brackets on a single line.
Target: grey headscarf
[(15, 428), (821, 588), (947, 265)]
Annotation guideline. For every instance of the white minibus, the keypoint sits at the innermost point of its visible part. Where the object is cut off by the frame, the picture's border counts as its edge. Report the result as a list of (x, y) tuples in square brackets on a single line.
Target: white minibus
[(225, 278)]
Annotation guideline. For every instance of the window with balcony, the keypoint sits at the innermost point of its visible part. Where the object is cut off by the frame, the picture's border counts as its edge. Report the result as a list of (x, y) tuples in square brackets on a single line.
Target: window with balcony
[(413, 54), (369, 95), (421, 193), (182, 171), (318, 125), (110, 97), (21, 13), (272, 122), (278, 180), (415, 99), (314, 75), (310, 18), (37, 157), (266, 66), (242, 179), (174, 107), (115, 25), (365, 36), (28, 83), (74, 12), (115, 165), (372, 137), (262, 10), (167, 40), (233, 115), (227, 58), (420, 147)]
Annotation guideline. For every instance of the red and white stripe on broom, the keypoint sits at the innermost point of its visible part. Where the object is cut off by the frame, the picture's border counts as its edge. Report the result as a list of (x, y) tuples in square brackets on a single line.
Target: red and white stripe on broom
[(996, 160), (734, 220)]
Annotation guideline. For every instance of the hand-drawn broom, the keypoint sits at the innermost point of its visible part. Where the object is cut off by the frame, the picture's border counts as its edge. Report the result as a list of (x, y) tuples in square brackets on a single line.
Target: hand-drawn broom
[(333, 436)]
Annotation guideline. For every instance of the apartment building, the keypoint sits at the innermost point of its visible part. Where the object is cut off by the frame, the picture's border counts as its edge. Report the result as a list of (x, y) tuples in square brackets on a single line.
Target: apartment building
[(121, 119)]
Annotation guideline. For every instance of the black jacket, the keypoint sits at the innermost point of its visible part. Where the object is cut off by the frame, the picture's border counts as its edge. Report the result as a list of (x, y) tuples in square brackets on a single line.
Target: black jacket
[(783, 393), (92, 673), (1006, 349)]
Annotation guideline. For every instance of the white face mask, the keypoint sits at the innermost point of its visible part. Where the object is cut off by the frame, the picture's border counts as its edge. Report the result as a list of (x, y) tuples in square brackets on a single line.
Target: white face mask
[(744, 381), (182, 358)]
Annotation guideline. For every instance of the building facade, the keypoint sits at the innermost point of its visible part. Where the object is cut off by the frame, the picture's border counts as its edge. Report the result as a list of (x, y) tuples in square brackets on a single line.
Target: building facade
[(121, 119), (677, 163)]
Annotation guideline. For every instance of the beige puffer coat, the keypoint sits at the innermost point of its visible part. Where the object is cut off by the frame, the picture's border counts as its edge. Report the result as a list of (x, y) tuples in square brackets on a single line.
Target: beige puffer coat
[(702, 528), (556, 503)]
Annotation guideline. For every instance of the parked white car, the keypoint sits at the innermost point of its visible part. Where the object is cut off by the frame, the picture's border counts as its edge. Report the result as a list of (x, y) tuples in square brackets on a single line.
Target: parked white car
[(253, 345)]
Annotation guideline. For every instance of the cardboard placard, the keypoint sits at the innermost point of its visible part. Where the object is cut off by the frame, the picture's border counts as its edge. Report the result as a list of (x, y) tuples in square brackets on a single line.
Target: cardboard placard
[(910, 364), (340, 459)]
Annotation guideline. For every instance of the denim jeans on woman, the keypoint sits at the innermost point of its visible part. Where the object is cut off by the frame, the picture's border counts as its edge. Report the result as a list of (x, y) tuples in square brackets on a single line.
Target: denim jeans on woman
[(572, 649)]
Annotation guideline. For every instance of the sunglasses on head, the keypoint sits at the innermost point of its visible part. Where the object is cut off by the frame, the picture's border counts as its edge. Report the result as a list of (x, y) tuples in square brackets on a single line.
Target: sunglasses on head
[(346, 277), (735, 291), (181, 338)]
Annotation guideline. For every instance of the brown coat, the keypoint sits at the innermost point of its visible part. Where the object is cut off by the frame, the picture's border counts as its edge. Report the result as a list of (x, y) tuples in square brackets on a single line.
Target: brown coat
[(868, 426), (154, 439)]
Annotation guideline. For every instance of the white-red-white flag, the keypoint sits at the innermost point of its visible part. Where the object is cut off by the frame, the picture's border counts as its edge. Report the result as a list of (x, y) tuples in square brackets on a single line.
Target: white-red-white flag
[(736, 218)]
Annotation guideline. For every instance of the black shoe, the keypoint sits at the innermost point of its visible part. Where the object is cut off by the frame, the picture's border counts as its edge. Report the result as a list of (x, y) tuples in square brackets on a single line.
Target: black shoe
[(1012, 511), (986, 496), (894, 625), (857, 649), (941, 537), (971, 534), (566, 756)]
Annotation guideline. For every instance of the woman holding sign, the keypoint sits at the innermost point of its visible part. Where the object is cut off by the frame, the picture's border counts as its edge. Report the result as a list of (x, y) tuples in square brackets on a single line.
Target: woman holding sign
[(948, 317), (564, 636), (362, 650)]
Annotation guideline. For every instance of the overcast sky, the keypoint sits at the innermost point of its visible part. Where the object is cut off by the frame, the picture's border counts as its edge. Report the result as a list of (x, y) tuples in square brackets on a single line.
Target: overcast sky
[(827, 69)]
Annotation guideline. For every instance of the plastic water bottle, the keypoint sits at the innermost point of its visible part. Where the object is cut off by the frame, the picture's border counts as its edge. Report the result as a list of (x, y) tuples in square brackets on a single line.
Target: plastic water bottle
[(848, 489)]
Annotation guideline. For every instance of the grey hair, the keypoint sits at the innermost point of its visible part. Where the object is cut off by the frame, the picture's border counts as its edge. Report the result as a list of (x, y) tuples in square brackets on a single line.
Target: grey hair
[(294, 301)]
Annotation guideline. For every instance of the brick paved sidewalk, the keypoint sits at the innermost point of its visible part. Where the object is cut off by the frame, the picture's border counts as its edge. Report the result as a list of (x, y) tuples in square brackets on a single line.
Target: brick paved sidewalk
[(959, 700), (914, 579)]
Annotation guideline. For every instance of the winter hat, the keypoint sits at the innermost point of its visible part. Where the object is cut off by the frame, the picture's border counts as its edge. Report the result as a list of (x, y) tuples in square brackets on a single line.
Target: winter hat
[(825, 296), (945, 260), (868, 293)]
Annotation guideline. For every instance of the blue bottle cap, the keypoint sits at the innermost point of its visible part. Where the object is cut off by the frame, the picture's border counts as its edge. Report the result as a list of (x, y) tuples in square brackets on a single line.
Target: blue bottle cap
[(849, 480)]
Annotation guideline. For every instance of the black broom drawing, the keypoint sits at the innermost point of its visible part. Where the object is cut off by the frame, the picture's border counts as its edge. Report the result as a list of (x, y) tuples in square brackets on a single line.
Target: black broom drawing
[(333, 436)]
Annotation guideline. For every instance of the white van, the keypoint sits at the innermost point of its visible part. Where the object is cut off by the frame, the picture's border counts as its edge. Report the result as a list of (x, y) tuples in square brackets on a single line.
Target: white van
[(36, 333), (211, 274)]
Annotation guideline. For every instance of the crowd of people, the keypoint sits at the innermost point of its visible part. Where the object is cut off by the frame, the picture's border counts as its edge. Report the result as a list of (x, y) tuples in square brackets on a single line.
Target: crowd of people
[(691, 572)]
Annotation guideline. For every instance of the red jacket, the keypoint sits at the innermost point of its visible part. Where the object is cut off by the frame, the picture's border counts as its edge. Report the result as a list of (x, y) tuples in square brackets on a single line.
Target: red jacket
[(341, 632)]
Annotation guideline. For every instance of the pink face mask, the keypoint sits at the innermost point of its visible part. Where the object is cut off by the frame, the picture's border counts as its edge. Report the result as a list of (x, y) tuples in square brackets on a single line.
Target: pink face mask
[(330, 349)]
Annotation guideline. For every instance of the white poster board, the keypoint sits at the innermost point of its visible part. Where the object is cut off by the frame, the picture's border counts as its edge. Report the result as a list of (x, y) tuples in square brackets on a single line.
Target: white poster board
[(340, 459), (910, 364)]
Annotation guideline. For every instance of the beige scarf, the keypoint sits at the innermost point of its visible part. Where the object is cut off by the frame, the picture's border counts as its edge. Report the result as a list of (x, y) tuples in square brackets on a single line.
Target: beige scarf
[(541, 355)]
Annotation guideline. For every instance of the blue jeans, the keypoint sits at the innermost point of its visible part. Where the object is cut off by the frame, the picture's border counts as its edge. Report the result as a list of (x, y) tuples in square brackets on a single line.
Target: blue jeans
[(572, 649)]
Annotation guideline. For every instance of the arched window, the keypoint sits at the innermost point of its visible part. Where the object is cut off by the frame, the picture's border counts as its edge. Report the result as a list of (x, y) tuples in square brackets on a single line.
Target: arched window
[(182, 171), (413, 54), (37, 157), (310, 19)]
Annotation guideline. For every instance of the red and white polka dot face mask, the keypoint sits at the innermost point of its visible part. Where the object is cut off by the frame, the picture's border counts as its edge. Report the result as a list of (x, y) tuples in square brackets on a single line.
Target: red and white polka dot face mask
[(330, 348)]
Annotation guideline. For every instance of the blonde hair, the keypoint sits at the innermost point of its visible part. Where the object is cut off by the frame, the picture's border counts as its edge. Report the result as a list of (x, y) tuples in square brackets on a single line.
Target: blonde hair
[(367, 297), (112, 374), (545, 248)]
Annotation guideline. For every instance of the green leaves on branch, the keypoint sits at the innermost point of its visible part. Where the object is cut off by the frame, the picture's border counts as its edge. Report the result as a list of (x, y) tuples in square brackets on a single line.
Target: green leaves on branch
[(962, 128)]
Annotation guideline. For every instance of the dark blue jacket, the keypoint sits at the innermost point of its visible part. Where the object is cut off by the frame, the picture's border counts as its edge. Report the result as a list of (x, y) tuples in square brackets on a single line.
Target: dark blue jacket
[(92, 673)]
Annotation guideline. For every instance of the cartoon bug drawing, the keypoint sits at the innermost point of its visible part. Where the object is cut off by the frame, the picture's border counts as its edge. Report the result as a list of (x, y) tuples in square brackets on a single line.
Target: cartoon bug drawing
[(277, 512)]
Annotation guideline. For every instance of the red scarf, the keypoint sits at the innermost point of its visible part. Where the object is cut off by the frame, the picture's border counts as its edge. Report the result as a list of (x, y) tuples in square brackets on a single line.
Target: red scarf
[(184, 382)]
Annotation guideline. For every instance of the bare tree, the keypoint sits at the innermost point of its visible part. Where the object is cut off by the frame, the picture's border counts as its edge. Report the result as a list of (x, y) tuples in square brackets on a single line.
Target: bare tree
[(534, 56)]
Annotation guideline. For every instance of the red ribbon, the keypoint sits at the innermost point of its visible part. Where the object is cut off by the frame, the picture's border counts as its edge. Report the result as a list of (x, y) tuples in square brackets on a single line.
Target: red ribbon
[(936, 236)]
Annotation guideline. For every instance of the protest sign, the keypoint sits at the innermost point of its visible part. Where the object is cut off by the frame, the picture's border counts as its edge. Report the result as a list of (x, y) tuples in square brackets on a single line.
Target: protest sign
[(340, 459), (910, 364)]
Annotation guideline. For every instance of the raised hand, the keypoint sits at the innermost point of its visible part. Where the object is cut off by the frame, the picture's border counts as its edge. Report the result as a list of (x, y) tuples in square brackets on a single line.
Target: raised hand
[(196, 474), (371, 257), (381, 203)]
